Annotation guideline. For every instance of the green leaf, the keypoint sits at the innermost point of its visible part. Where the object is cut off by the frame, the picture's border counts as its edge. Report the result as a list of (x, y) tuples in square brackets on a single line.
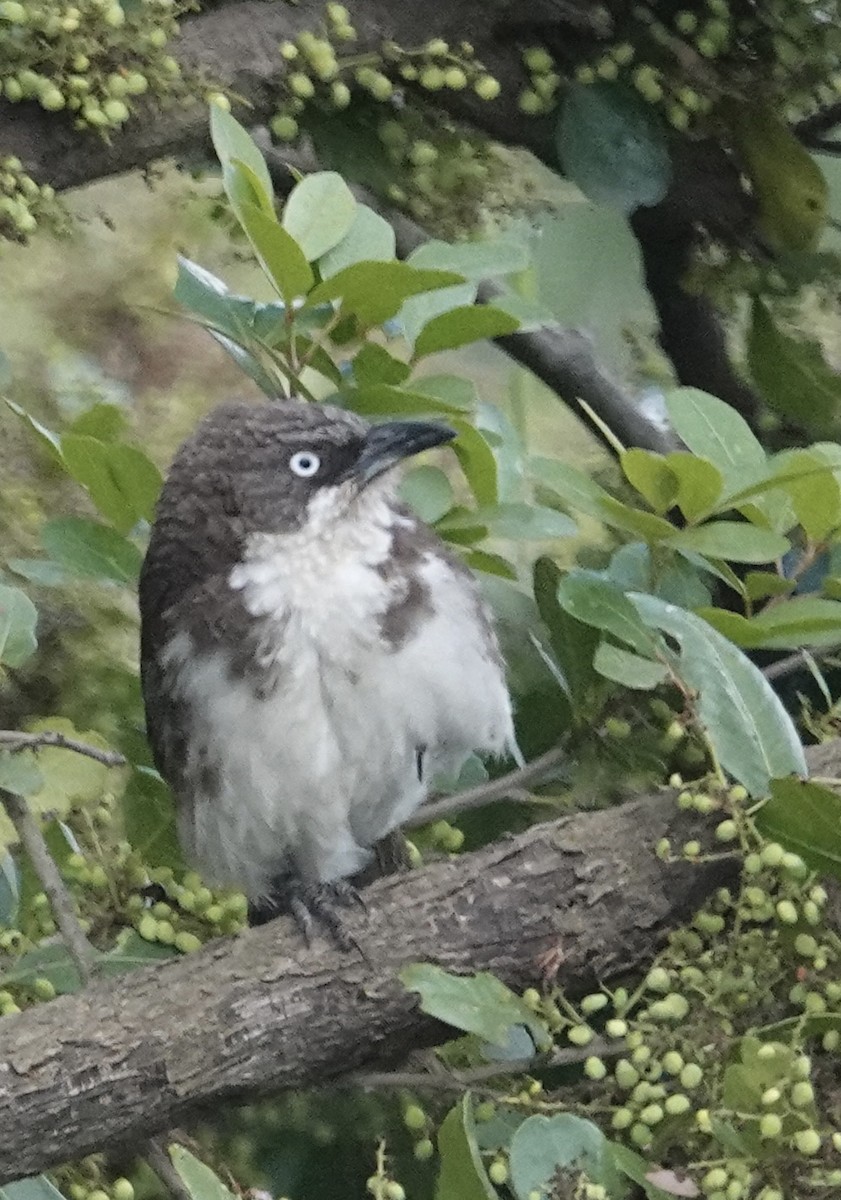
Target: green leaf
[(459, 394), (815, 494), (232, 142), (715, 431), (732, 540), (198, 1179), (799, 622), (67, 777), (90, 550), (48, 961), (319, 213), (490, 564), (474, 260), (39, 570), (208, 297), (530, 314), (543, 1146), (417, 311), (699, 484), (516, 522), (369, 239), (477, 461), (375, 291), (49, 440), (614, 146), (760, 585), (794, 377), (36, 1187), (460, 327), (278, 253), (478, 1004), (249, 364), (18, 618), (462, 1175), (132, 952), (573, 642), (121, 481), (106, 422), (373, 364), (806, 818), (427, 491), (383, 400), (632, 671), (577, 490), (19, 773), (753, 735), (651, 476), (149, 816), (598, 602), (637, 1169)]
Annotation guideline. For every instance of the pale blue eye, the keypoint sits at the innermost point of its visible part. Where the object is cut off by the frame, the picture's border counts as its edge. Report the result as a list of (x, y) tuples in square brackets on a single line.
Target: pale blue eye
[(305, 463)]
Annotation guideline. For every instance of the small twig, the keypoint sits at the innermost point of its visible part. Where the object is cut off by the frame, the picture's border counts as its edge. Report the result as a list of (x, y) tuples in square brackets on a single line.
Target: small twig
[(14, 741), (43, 863), (458, 1080), (157, 1156), (793, 662), (506, 787)]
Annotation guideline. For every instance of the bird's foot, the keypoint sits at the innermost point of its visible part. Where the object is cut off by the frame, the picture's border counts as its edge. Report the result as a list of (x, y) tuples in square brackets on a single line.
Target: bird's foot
[(312, 905)]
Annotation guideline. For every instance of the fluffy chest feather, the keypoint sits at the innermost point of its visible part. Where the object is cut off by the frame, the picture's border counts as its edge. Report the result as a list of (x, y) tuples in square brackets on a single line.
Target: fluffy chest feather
[(383, 662)]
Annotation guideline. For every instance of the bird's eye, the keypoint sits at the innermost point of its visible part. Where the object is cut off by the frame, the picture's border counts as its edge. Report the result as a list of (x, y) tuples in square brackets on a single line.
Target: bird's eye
[(305, 463)]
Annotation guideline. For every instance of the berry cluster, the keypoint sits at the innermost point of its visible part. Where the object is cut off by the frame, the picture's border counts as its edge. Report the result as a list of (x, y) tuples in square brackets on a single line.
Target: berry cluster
[(23, 202), (91, 57)]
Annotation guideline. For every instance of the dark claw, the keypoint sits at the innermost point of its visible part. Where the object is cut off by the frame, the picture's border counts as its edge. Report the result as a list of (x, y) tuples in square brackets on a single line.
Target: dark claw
[(311, 905)]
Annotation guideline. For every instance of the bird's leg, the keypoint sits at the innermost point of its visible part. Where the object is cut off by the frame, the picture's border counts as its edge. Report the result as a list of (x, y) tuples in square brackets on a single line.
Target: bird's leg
[(311, 905)]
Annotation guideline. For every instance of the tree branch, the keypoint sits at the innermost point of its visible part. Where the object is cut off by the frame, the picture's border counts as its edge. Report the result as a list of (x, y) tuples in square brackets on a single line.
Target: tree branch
[(259, 1012), (14, 741), (486, 793)]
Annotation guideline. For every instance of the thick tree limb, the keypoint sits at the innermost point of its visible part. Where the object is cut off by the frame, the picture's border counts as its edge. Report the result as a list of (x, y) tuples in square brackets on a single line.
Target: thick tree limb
[(258, 1012)]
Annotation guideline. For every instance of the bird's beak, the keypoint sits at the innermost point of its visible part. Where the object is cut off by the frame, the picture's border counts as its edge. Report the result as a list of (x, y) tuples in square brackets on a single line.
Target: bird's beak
[(389, 443)]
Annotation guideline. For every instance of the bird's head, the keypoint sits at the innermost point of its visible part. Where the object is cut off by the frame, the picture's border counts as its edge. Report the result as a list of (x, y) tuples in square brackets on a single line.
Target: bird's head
[(286, 466)]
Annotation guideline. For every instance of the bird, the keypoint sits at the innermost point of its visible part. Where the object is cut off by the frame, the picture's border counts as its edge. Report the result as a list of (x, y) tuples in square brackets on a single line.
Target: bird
[(313, 656)]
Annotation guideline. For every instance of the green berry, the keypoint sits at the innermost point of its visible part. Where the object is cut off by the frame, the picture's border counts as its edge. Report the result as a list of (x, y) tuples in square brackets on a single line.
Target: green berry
[(284, 128), (486, 87), (424, 1150), (652, 1115), (677, 1104), (186, 942), (672, 1062), (622, 1118), (437, 47), (714, 1179), (770, 1126), (116, 112), (340, 95), (498, 1172), (486, 1111), (147, 927), (455, 78), (727, 831), (691, 1076), (122, 1189), (529, 102), (115, 16), (580, 1035), (43, 989), (431, 78), (640, 1135), (301, 85), (594, 1068), (289, 51), (658, 979), (414, 1117), (594, 1003), (772, 855), (802, 1093), (393, 1191), (12, 12), (626, 1074), (787, 912), (807, 1141)]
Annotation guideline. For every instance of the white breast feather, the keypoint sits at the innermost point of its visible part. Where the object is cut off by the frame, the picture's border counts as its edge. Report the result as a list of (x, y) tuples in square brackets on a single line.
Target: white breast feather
[(327, 764)]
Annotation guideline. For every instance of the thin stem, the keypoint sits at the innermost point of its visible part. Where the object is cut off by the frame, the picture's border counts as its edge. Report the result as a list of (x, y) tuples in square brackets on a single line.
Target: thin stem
[(503, 788), (14, 741), (32, 840), (157, 1157), (458, 1080)]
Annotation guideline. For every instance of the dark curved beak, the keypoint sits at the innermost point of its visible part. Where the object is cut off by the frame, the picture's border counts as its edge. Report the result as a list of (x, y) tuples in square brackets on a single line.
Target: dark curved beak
[(390, 443)]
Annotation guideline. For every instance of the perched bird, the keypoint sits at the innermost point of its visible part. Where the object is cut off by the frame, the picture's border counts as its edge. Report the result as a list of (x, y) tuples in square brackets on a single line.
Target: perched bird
[(312, 655)]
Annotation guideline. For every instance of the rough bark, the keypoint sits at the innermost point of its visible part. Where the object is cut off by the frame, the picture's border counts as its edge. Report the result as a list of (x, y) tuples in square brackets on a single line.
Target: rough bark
[(257, 1012)]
